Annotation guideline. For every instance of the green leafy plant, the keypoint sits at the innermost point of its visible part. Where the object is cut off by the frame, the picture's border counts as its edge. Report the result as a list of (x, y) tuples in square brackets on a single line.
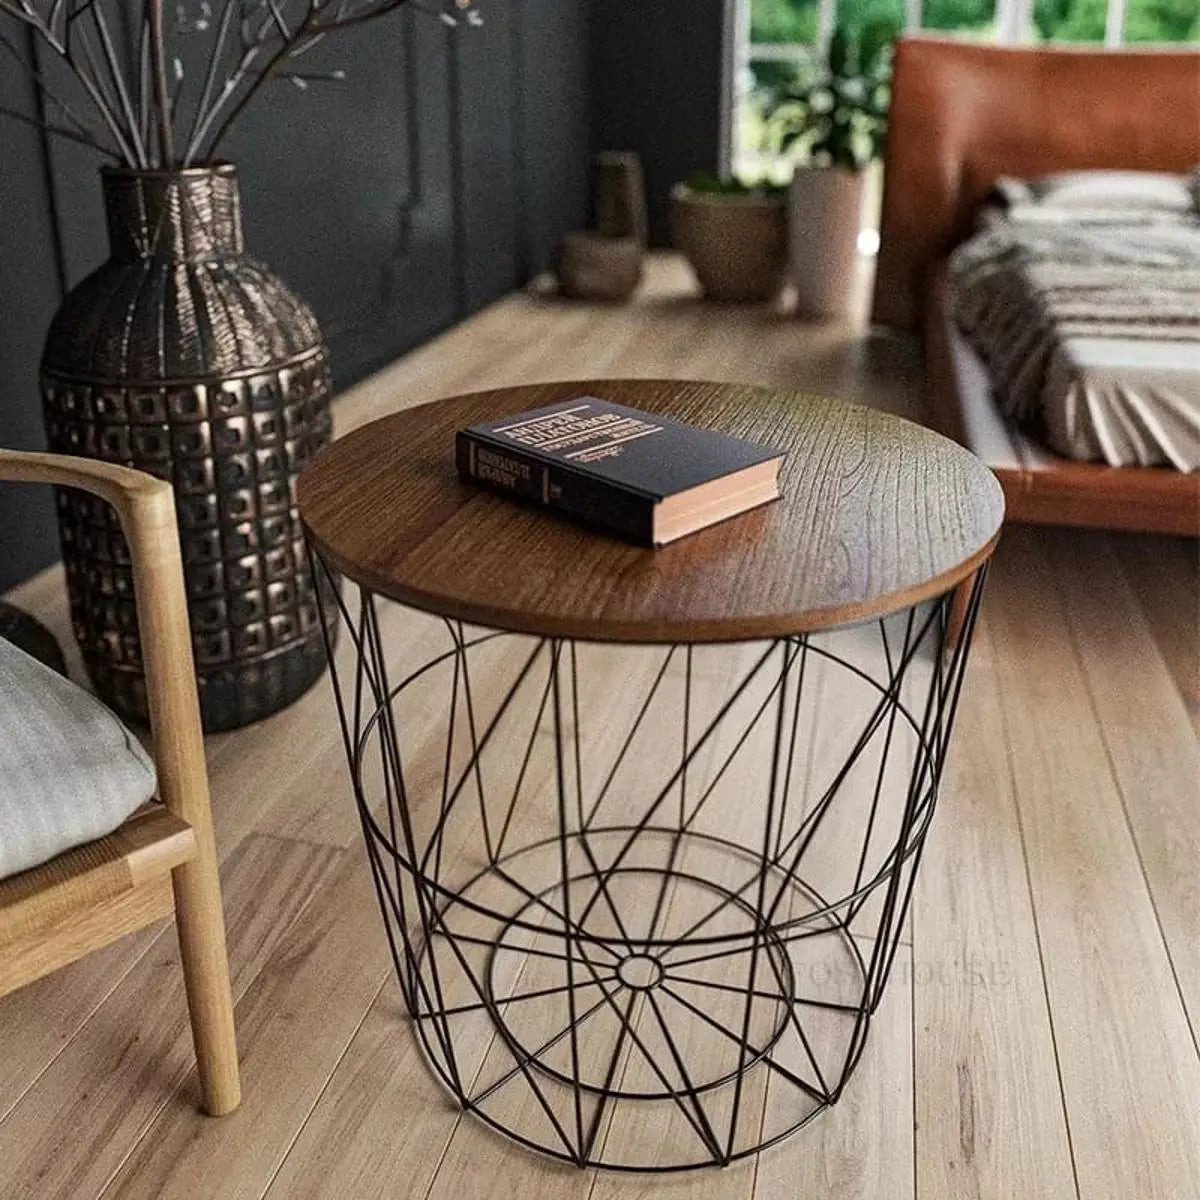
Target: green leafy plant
[(707, 184), (835, 113)]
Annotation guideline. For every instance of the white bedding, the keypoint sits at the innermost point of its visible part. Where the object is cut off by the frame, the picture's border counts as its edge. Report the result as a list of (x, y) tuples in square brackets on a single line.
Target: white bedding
[(1101, 417), (1088, 318)]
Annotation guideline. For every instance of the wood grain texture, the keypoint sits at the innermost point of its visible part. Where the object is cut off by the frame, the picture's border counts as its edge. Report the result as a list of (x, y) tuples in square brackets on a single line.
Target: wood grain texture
[(1129, 1082), (78, 1080), (1151, 748), (322, 978), (349, 1145), (1164, 577), (989, 1113), (81, 930), (98, 1097), (150, 843), (38, 1021), (876, 514), (862, 1148)]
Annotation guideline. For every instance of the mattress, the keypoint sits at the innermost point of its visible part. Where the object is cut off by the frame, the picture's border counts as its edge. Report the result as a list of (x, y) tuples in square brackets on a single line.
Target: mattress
[(1088, 321)]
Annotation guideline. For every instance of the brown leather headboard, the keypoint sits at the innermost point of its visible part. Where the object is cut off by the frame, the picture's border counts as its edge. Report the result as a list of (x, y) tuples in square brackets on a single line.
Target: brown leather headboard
[(963, 114)]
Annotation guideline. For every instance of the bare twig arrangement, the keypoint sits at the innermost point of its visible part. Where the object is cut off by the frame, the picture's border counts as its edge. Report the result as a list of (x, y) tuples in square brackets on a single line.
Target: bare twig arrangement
[(133, 113)]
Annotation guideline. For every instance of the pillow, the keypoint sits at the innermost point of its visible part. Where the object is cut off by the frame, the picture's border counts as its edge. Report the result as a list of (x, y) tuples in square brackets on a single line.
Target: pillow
[(1158, 191), (70, 772)]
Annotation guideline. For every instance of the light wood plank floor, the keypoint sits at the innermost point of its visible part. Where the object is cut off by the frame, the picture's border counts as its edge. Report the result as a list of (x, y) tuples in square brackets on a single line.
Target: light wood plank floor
[(1039, 1038)]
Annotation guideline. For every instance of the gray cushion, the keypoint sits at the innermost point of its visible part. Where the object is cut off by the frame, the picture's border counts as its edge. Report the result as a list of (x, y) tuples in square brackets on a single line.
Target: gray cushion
[(70, 772)]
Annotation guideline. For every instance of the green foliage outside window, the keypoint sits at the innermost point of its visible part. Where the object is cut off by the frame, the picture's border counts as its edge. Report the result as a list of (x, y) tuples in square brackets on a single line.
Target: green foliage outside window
[(1162, 21), (959, 15), (1145, 20), (768, 147), (1070, 20), (794, 21), (776, 21), (856, 17)]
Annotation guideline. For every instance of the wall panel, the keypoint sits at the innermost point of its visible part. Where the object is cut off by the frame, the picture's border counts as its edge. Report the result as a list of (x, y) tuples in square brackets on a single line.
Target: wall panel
[(434, 179), (29, 294)]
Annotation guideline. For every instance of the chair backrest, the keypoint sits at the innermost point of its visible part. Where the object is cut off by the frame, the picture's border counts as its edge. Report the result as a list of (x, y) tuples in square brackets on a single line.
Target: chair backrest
[(963, 114), (146, 509), (161, 859)]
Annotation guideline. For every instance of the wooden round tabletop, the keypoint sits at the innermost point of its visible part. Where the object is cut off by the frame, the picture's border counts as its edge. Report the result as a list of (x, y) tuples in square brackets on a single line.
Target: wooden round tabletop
[(876, 514)]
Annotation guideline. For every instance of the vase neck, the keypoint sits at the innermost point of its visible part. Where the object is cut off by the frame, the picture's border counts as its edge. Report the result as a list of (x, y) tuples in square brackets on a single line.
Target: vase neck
[(187, 214)]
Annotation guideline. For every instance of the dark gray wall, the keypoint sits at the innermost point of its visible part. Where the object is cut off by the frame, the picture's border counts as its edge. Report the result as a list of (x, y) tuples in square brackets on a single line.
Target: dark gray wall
[(30, 289), (435, 179), (657, 72)]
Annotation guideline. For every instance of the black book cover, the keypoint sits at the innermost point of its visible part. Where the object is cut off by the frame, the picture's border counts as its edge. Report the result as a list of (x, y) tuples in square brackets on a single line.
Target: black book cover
[(600, 462)]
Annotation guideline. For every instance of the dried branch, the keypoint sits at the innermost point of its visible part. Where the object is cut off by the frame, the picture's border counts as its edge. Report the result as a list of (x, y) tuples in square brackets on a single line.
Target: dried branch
[(244, 73), (74, 15), (210, 75), (85, 132), (280, 23), (118, 82), (144, 84), (135, 104), (60, 131), (25, 12), (368, 13), (158, 78), (21, 13), (94, 78), (303, 36)]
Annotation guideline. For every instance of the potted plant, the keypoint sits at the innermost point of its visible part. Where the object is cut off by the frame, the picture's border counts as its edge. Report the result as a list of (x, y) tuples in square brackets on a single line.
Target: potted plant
[(734, 235), (832, 119), (182, 355)]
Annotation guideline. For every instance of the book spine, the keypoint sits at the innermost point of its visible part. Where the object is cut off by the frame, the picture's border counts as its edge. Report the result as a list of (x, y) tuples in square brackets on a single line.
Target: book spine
[(582, 497)]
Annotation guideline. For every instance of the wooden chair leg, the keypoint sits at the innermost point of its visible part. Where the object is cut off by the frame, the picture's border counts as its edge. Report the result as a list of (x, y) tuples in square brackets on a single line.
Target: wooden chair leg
[(201, 926)]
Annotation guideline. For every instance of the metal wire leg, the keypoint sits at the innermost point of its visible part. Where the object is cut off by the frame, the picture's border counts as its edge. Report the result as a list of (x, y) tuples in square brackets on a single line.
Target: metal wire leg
[(598, 933)]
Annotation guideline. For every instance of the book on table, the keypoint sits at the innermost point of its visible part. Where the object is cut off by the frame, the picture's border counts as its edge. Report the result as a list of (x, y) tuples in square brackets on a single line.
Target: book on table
[(645, 477)]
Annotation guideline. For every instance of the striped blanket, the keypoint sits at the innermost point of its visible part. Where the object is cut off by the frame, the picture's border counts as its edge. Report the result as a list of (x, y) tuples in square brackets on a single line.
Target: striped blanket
[(1086, 312), (1023, 285)]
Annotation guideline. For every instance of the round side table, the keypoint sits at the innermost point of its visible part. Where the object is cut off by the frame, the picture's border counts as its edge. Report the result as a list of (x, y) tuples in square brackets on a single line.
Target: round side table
[(644, 824)]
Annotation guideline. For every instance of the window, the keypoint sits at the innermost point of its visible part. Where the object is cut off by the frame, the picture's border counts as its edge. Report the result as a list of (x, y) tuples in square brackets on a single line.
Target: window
[(774, 39)]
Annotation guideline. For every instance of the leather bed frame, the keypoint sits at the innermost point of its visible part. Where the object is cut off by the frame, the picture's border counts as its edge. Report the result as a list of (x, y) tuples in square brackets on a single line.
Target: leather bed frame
[(962, 115)]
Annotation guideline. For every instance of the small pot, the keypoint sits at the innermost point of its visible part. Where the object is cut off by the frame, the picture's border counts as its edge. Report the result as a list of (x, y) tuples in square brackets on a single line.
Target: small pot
[(826, 216), (737, 245), (591, 266)]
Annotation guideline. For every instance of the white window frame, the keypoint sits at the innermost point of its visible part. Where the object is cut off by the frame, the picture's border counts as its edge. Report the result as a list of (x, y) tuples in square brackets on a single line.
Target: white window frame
[(1014, 26)]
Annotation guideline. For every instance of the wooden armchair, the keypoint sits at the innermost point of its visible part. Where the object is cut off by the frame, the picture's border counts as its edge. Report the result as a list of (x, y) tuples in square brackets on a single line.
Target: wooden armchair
[(163, 858)]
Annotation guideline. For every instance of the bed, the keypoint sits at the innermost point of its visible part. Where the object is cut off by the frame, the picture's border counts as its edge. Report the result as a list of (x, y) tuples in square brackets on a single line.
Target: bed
[(965, 117)]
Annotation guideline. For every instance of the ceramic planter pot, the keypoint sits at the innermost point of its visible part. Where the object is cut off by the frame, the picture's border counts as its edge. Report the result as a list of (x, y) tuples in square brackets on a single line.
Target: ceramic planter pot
[(736, 245), (591, 266), (185, 357), (826, 215)]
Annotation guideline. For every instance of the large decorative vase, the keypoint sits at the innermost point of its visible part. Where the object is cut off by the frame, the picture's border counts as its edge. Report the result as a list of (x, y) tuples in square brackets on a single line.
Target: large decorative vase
[(184, 357)]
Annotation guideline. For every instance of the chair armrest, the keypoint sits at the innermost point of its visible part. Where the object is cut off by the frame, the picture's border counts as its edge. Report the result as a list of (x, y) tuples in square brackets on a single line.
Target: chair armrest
[(122, 487), (146, 508)]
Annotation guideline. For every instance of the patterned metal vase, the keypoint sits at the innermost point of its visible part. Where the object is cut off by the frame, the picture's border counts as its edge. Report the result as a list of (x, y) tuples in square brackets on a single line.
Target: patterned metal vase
[(186, 358)]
